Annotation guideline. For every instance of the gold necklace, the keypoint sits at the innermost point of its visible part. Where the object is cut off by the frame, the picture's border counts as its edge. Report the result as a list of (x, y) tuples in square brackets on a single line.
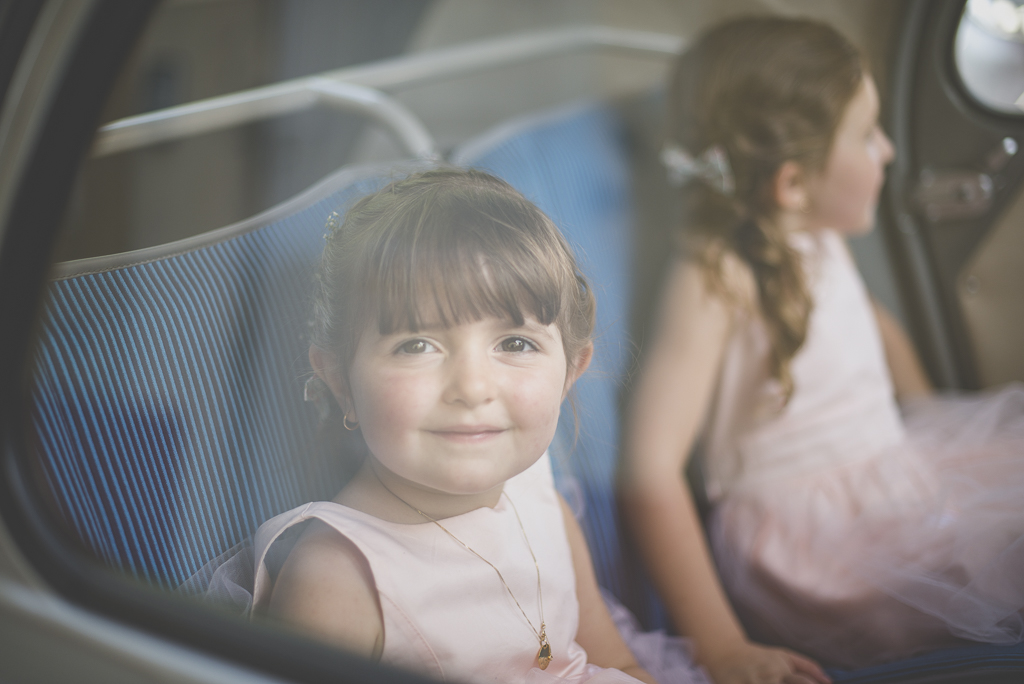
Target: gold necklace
[(544, 655)]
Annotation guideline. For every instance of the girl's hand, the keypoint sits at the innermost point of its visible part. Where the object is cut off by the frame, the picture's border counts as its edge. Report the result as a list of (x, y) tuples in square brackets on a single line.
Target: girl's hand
[(751, 663)]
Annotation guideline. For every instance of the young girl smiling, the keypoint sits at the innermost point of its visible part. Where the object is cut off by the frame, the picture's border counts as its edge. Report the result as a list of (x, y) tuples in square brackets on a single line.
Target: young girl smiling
[(451, 322)]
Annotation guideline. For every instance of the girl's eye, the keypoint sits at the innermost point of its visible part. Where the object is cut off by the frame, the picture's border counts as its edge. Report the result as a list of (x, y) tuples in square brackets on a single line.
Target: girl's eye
[(416, 347), (517, 344)]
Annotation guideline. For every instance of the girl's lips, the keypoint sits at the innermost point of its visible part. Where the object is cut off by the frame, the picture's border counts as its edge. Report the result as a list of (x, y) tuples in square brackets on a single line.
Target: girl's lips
[(468, 433)]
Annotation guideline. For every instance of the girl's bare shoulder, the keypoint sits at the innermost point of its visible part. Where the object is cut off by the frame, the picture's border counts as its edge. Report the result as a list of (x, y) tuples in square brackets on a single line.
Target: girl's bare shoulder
[(322, 555), (719, 275), (326, 588)]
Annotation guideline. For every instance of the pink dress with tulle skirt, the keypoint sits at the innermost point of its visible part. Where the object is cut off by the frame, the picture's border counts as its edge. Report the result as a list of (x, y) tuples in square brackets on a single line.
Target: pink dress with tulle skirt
[(848, 527)]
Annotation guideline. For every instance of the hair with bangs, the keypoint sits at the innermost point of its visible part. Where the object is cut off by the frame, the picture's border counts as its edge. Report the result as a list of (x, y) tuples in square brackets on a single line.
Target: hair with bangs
[(441, 248)]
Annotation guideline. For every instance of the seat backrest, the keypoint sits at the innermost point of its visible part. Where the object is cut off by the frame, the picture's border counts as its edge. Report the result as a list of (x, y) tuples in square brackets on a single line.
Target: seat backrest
[(575, 165), (168, 404)]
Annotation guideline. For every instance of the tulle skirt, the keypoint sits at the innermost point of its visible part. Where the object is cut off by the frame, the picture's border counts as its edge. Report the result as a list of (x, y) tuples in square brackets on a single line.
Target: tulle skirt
[(892, 553)]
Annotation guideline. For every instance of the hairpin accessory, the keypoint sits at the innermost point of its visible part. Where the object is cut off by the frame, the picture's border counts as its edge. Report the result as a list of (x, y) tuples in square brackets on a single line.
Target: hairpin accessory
[(712, 167), (544, 655), (344, 422), (332, 225)]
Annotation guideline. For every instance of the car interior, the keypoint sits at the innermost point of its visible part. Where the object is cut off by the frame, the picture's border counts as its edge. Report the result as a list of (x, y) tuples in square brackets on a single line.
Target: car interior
[(166, 172)]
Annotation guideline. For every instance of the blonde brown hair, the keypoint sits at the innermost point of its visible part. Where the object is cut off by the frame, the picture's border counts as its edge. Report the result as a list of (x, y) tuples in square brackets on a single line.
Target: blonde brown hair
[(444, 247), (767, 90)]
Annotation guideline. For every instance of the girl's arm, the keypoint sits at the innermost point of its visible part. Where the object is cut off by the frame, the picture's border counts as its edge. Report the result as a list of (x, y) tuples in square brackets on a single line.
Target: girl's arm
[(326, 589), (597, 633), (908, 376), (669, 404)]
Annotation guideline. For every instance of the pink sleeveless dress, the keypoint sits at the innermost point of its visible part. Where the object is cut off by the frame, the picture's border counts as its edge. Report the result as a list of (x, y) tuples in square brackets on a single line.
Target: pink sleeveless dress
[(842, 527), (446, 613)]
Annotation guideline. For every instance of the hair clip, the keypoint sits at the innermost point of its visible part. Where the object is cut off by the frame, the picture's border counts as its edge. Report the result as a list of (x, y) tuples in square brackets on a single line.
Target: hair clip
[(332, 225), (712, 167)]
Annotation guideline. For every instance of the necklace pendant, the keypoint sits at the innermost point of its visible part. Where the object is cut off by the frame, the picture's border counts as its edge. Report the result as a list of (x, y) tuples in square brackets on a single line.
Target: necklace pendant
[(544, 656)]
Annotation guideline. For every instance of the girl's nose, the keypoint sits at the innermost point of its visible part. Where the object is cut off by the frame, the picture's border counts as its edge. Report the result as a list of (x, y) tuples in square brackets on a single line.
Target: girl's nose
[(469, 380), (888, 150)]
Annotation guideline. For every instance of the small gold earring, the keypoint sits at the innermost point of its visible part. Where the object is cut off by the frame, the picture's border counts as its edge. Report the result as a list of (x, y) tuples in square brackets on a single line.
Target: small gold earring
[(344, 422)]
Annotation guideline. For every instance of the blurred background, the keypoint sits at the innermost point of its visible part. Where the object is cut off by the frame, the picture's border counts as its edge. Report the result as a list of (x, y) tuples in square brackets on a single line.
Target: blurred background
[(196, 49)]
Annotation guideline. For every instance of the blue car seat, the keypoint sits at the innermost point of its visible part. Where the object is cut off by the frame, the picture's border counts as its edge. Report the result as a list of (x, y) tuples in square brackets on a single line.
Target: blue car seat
[(168, 407)]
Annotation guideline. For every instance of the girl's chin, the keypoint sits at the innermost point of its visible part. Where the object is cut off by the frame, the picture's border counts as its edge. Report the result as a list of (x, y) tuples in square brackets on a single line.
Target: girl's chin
[(858, 229), (862, 230), (464, 488), (474, 489)]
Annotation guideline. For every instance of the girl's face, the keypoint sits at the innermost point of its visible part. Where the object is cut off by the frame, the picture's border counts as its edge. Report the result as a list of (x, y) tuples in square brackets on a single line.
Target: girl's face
[(845, 194), (459, 410)]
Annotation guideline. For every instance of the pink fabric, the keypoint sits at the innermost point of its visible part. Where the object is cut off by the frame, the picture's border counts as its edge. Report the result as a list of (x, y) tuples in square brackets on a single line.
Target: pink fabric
[(669, 659), (445, 611), (844, 529)]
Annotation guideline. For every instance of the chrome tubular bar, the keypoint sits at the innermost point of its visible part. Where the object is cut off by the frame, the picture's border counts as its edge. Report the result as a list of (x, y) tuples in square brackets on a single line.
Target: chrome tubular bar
[(359, 87), (263, 103), (411, 133)]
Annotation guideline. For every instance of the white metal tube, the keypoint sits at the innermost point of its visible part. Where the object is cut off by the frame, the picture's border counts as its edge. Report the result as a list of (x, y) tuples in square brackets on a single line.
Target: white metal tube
[(202, 116), (418, 68), (468, 58), (406, 127)]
